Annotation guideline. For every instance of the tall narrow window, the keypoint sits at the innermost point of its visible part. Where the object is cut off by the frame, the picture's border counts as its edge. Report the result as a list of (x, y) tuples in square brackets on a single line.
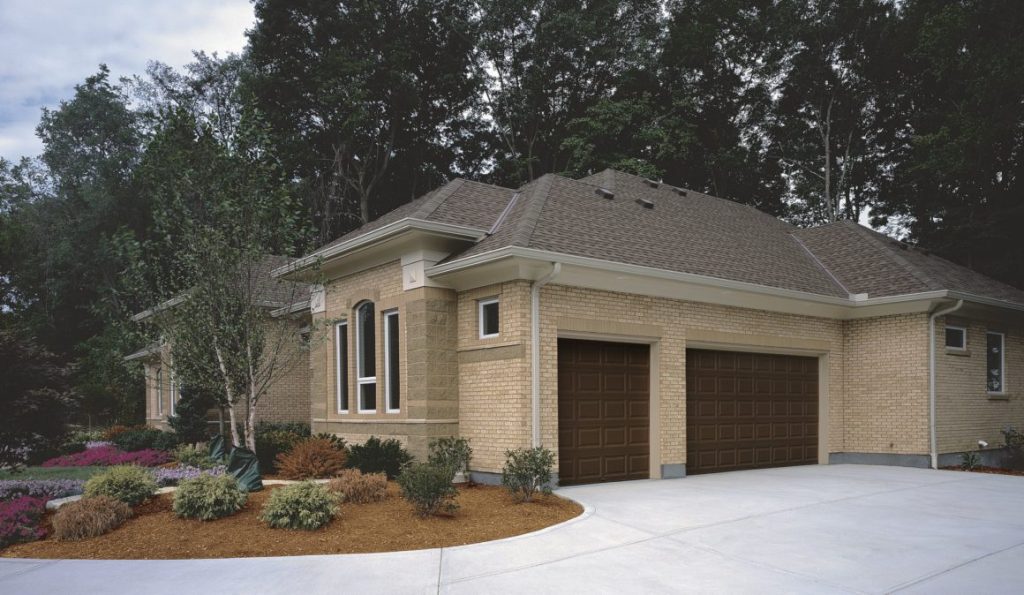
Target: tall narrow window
[(488, 318), (392, 388), (366, 365), (159, 392), (341, 365), (174, 390), (996, 359)]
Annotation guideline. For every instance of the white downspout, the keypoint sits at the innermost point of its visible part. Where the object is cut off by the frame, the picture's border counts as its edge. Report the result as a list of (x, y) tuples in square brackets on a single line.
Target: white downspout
[(556, 268), (933, 447)]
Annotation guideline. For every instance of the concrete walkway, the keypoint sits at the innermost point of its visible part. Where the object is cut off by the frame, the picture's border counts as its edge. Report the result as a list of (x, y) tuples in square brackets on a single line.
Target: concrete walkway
[(820, 529)]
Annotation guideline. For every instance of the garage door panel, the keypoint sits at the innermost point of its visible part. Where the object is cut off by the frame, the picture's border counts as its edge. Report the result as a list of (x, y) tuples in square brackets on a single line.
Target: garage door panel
[(748, 410), (604, 410)]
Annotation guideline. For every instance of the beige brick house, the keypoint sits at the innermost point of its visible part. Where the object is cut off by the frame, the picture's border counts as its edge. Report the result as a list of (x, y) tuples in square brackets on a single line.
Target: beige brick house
[(286, 400), (646, 331)]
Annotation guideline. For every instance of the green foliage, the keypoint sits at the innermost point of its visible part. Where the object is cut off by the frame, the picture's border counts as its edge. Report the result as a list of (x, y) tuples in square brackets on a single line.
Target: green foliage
[(451, 453), (128, 483), (89, 517), (379, 456), (141, 438), (526, 471), (194, 455), (336, 441), (275, 441), (208, 497), (190, 415), (969, 460), (304, 505), (428, 488)]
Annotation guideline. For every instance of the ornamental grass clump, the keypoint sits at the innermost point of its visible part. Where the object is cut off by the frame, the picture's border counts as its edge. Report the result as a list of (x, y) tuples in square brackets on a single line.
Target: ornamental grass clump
[(429, 489), (89, 517), (304, 505), (311, 458), (527, 471), (209, 497), (128, 483), (360, 488)]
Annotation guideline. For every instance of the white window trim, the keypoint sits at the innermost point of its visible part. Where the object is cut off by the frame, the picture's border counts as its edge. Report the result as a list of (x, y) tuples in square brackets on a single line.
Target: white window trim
[(1002, 363), (962, 330), (389, 317), (340, 375), (160, 392), (363, 380), (174, 387), (480, 317)]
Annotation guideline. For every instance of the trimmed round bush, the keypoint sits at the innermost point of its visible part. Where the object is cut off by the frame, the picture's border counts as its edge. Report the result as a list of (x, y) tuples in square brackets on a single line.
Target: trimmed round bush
[(360, 488), (89, 517), (209, 497), (127, 483), (304, 505), (429, 489), (311, 458)]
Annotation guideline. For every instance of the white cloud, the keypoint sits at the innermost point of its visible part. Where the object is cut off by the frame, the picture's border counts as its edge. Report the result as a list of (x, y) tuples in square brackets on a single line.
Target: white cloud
[(48, 46)]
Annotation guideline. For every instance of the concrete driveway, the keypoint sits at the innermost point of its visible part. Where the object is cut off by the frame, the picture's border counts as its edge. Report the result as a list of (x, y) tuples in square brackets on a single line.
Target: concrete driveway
[(819, 529)]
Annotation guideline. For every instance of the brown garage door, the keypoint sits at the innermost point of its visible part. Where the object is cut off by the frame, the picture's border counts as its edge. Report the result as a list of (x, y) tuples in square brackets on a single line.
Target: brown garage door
[(750, 410), (603, 411)]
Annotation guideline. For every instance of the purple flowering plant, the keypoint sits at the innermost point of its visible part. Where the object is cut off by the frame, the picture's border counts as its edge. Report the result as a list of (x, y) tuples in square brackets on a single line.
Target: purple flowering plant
[(110, 455), (40, 488), (19, 520)]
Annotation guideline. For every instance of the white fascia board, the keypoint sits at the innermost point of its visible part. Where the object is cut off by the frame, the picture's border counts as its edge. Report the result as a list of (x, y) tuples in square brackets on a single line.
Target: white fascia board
[(854, 306), (402, 225), (157, 309)]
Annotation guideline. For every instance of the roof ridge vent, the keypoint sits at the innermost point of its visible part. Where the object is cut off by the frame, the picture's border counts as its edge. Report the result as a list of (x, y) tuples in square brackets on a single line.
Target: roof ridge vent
[(643, 202), (651, 183), (604, 193)]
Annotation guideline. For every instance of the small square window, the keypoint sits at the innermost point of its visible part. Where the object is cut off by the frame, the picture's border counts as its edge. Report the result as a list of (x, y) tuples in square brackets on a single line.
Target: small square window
[(956, 338), (489, 318)]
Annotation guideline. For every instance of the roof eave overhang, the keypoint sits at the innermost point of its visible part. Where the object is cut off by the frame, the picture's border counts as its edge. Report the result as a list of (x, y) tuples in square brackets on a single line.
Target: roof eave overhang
[(528, 263), (383, 239)]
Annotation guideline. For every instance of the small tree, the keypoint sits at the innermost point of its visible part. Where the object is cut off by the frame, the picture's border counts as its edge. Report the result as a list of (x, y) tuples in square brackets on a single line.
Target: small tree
[(190, 415)]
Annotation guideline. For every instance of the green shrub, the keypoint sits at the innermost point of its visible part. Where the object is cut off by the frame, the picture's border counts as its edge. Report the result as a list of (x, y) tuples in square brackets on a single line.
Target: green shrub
[(134, 439), (89, 517), (428, 488), (127, 483), (209, 497), (304, 505), (969, 460), (360, 488), (189, 420), (166, 441), (379, 456), (70, 448), (275, 439), (451, 453), (526, 471), (336, 441), (196, 455)]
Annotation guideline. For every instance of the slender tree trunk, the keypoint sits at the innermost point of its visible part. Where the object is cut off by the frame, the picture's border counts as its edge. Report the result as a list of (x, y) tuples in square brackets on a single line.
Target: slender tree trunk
[(250, 422), (235, 439)]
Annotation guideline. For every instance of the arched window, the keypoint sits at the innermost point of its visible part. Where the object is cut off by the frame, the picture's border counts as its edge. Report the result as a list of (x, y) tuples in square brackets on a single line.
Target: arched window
[(366, 358)]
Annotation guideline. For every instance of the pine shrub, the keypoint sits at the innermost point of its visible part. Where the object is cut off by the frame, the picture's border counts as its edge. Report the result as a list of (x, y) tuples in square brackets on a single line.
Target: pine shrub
[(304, 505), (379, 456), (128, 483), (208, 497)]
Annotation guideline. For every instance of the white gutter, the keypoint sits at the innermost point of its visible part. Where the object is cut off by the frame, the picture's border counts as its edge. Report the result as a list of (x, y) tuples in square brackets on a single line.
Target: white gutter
[(556, 268), (933, 448)]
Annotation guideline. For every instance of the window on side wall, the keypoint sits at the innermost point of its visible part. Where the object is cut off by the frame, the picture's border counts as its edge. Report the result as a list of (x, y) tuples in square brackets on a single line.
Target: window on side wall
[(366, 353), (956, 338), (159, 392), (489, 318), (341, 365), (995, 354), (392, 385)]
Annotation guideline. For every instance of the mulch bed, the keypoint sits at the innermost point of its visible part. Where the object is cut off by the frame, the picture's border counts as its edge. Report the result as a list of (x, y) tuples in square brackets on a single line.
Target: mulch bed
[(983, 469), (485, 513)]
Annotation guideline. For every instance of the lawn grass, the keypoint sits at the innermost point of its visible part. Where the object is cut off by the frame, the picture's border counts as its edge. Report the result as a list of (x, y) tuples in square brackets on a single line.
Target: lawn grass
[(53, 473)]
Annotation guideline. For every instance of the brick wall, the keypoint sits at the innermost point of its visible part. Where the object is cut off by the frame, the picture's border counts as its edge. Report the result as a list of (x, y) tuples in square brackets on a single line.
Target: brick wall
[(965, 412)]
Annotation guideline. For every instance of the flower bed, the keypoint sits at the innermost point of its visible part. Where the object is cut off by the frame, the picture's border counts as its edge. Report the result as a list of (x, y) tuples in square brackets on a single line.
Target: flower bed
[(19, 520), (170, 476), (108, 455), (40, 488)]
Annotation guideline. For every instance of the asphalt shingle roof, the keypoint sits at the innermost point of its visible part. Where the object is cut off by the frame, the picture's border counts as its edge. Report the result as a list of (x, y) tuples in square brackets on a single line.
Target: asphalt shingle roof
[(688, 232)]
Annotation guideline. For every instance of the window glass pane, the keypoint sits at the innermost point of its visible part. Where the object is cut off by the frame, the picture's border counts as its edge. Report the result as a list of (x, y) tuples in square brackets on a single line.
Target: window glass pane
[(995, 363), (955, 338), (394, 390), (341, 343), (367, 358), (368, 396), (490, 318)]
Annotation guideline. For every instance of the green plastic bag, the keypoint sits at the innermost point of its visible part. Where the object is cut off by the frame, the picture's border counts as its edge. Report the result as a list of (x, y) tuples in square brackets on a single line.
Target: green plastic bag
[(245, 467), (217, 448)]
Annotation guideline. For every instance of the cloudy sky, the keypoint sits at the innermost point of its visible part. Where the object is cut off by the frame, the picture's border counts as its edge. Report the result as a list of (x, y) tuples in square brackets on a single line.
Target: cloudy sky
[(47, 46)]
